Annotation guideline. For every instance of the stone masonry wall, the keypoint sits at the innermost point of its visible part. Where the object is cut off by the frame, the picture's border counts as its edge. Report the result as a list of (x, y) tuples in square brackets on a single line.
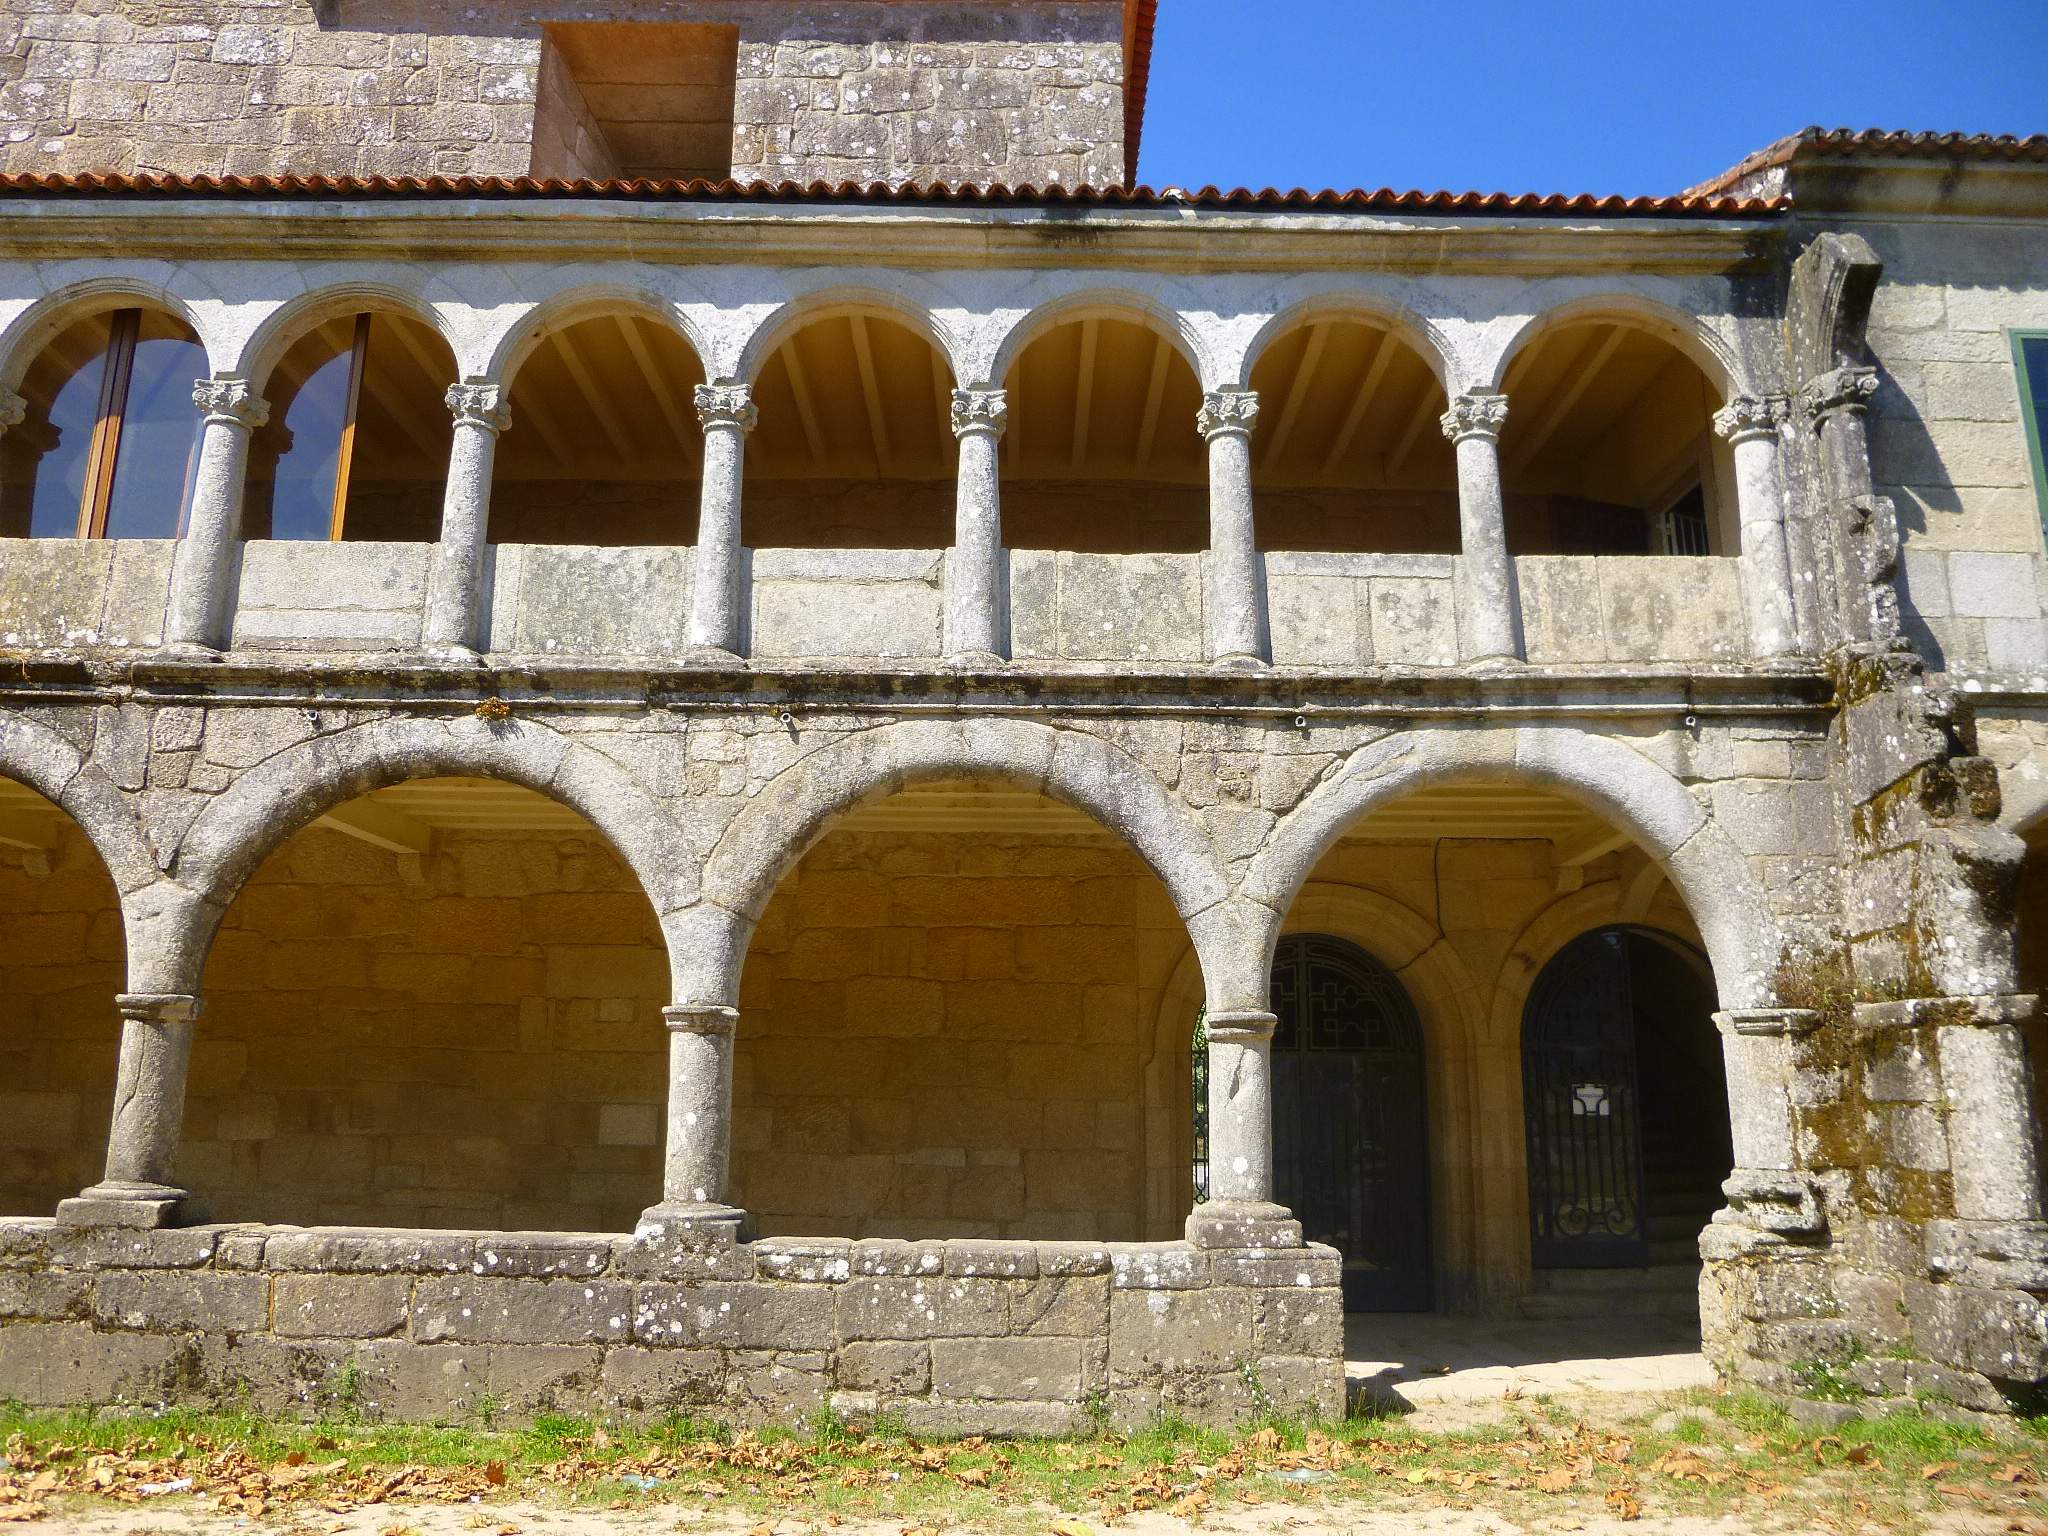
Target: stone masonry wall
[(962, 1337), (864, 91)]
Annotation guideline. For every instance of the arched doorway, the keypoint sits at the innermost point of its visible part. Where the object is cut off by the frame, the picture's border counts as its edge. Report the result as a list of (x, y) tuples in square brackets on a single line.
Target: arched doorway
[(1625, 1102), (1350, 1135)]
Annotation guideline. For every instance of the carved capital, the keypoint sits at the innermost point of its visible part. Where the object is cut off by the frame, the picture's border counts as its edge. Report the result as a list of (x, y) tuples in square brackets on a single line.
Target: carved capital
[(980, 410), (1747, 417), (726, 405), (1226, 411), (479, 405), (158, 1007), (1241, 1028), (1474, 416), (701, 1019), (12, 409), (1840, 389), (230, 402)]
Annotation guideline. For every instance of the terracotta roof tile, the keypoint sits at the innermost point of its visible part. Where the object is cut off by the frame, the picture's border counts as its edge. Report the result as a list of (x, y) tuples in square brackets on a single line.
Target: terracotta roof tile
[(1819, 141)]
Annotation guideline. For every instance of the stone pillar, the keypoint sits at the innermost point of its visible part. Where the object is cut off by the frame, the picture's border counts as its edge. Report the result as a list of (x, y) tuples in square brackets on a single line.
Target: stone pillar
[(1236, 596), (1751, 424), (203, 563), (974, 565), (1865, 526), (699, 1156), (139, 1189), (1769, 1201), (1493, 617), (455, 594), (716, 613), (1240, 1212)]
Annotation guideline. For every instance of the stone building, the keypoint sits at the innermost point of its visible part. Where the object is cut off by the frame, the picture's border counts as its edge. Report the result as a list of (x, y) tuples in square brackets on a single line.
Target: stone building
[(692, 717)]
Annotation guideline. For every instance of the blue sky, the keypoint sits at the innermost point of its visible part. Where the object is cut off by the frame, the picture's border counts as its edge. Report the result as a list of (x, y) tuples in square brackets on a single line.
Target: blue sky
[(1542, 96)]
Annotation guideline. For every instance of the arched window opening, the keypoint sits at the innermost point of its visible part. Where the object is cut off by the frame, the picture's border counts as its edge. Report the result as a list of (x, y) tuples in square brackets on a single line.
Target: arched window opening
[(61, 967), (1102, 454), (357, 442), (946, 1021), (605, 447), (2033, 958), (109, 444), (1349, 456), (440, 1006), (854, 448), (1609, 448), (1625, 1103)]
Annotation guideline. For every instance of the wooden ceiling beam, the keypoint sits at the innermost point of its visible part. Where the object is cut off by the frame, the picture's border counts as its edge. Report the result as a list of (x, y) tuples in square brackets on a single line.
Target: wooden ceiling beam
[(870, 392), (607, 419), (800, 391), (1425, 414), (1084, 390), (1375, 373), (1155, 393), (1583, 369), (1311, 358), (380, 826), (688, 437)]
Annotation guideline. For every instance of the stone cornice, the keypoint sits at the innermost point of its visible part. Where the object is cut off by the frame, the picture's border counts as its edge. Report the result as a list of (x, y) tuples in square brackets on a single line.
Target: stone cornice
[(1181, 239)]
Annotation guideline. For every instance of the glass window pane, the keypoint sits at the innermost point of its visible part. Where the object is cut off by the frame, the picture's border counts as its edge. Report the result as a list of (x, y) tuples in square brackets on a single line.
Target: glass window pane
[(2035, 350), (294, 460), (159, 448), (43, 462)]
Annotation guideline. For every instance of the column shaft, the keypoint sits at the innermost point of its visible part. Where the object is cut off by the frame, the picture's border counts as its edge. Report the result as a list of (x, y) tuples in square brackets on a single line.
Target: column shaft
[(1493, 620), (203, 561), (1751, 425), (455, 594), (699, 1152), (974, 565), (1769, 1200), (1237, 620), (716, 612), (1240, 1212), (140, 1188)]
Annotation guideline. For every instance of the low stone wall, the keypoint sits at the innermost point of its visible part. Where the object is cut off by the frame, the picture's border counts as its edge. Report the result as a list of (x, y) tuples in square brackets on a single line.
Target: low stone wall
[(958, 1337)]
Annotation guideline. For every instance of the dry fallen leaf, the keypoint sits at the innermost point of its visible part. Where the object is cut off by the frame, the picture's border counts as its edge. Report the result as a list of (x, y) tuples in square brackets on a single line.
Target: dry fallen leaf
[(1068, 1526), (1555, 1480)]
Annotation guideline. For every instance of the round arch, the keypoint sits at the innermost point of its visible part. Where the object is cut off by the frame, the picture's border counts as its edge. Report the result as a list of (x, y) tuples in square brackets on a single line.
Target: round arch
[(1699, 342), (264, 806), (286, 324), (1107, 303), (33, 329), (1414, 331), (36, 756), (572, 306), (823, 303), (1630, 791)]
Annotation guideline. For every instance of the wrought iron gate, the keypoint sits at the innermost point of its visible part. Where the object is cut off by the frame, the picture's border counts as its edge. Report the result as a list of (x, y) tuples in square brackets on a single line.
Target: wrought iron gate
[(1583, 1109), (1350, 1143)]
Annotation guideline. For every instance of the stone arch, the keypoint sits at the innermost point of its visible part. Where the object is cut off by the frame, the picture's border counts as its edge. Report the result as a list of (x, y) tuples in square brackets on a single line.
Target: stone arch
[(1633, 793), (794, 810), (1416, 331), (1706, 347), (533, 325), (284, 325), (266, 804), (1114, 303), (787, 319), (38, 757), (31, 330)]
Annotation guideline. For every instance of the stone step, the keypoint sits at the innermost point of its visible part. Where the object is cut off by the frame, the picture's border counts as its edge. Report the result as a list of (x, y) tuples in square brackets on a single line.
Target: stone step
[(1657, 1277), (1567, 1306)]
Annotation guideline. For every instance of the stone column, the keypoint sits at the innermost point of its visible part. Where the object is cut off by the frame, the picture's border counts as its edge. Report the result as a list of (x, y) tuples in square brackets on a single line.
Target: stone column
[(1769, 1201), (974, 565), (139, 1189), (1236, 600), (203, 563), (699, 1156), (1751, 424), (1493, 614), (455, 594), (716, 613), (1864, 525), (1240, 1212)]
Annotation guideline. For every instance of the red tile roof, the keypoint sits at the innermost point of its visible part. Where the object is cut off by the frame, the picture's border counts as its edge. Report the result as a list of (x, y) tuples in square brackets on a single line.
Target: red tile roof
[(1386, 199), (1843, 142), (1141, 20)]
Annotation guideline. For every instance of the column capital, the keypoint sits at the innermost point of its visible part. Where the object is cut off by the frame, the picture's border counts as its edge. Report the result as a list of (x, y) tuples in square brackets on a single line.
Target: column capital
[(1227, 412), (727, 405), (479, 405), (1474, 416), (1241, 1027), (980, 410), (230, 402), (158, 1007), (1747, 417), (700, 1019), (1838, 390), (12, 409)]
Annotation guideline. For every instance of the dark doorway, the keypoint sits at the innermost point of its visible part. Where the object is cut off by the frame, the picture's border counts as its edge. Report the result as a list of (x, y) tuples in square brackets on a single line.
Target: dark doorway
[(1625, 1101), (1350, 1136)]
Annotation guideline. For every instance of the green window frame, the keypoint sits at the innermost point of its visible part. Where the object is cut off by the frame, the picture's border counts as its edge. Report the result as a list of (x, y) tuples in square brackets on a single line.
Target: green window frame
[(2030, 359)]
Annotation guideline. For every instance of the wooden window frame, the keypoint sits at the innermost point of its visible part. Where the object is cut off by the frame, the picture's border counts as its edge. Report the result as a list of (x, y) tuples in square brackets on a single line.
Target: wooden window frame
[(2031, 419), (119, 368), (344, 457)]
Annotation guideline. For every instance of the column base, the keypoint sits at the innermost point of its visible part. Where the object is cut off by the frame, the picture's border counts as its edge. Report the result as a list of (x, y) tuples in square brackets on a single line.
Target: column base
[(1239, 661), (1243, 1224), (189, 650), (980, 661), (1494, 663), (450, 651), (706, 655), (117, 1203), (687, 1222)]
